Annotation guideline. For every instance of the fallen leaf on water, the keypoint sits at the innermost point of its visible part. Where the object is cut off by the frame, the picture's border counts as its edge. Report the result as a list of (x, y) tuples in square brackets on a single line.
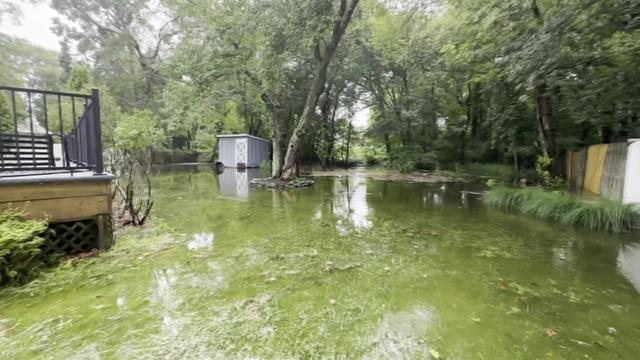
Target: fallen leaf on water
[(580, 342), (514, 310), (434, 354)]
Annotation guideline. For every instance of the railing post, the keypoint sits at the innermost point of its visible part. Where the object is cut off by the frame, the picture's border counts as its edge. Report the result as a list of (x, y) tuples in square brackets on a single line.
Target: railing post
[(95, 103)]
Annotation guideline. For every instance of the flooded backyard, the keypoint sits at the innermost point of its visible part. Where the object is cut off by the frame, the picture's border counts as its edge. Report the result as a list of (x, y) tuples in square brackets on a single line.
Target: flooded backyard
[(352, 267)]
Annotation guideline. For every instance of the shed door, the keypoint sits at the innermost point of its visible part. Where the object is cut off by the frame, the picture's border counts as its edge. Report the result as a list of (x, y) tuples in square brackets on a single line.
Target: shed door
[(241, 152)]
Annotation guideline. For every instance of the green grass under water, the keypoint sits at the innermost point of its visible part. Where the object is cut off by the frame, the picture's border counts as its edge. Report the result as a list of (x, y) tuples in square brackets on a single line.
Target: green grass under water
[(563, 207)]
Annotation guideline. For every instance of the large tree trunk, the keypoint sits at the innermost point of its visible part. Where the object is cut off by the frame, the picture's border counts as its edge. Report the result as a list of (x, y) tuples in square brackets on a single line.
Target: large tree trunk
[(545, 119), (294, 150), (387, 137), (348, 143), (276, 135), (276, 156), (387, 144)]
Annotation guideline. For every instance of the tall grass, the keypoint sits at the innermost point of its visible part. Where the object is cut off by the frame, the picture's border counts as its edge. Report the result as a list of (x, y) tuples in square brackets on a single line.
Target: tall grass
[(563, 207)]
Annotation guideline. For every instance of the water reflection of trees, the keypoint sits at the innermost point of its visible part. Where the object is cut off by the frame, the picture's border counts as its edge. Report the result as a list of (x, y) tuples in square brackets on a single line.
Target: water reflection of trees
[(349, 204)]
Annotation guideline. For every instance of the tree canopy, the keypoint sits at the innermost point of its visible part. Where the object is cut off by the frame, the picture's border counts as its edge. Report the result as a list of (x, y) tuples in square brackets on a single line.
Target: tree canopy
[(445, 82)]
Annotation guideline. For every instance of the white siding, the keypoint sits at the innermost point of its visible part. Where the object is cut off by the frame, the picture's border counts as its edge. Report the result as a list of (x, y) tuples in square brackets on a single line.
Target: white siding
[(258, 150), (227, 151)]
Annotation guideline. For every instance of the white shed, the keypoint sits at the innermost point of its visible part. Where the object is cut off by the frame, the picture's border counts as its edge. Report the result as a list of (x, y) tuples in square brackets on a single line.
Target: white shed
[(242, 150)]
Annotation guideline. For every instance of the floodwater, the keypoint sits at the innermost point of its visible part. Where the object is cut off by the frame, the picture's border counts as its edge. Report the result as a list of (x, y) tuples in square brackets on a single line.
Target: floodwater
[(349, 268)]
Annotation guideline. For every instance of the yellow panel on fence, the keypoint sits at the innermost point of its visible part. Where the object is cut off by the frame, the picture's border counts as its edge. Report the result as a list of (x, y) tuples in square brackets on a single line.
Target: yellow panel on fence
[(596, 157)]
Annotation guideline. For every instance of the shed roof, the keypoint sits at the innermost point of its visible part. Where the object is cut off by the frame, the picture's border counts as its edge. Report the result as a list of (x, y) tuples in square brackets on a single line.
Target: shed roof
[(240, 136)]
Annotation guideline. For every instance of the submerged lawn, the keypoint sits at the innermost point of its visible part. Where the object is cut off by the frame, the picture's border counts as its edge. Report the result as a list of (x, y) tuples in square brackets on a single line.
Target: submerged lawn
[(350, 268)]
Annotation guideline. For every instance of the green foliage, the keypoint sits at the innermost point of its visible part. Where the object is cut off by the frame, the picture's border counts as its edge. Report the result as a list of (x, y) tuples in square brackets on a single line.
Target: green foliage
[(461, 80), (28, 65), (138, 132), (409, 161), (565, 208), (476, 99), (80, 79), (543, 170), (126, 38), (491, 183), (6, 121), (500, 172), (21, 257), (265, 168)]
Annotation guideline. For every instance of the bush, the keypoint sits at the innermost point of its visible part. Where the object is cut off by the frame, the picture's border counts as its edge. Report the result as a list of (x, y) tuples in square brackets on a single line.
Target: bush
[(265, 168), (500, 172), (21, 240), (371, 160), (409, 161), (563, 207), (544, 165), (177, 156)]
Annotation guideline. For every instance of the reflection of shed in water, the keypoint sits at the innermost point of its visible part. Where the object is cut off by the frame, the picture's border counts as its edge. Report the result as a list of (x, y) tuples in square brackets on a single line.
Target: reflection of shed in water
[(234, 183), (629, 263)]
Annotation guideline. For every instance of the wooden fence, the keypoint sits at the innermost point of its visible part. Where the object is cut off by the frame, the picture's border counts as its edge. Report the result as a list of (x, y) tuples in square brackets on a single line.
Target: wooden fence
[(598, 169)]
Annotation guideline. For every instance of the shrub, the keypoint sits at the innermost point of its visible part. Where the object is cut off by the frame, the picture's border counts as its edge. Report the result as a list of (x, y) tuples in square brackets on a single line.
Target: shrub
[(371, 160), (563, 207), (500, 172), (265, 168), (408, 161), (544, 165), (176, 156), (20, 247)]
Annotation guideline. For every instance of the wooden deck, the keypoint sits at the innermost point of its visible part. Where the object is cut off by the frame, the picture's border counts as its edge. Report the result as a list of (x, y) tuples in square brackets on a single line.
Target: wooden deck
[(61, 197)]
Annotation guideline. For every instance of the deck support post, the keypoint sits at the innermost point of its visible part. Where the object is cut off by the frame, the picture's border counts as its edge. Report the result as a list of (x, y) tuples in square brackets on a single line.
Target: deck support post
[(105, 232)]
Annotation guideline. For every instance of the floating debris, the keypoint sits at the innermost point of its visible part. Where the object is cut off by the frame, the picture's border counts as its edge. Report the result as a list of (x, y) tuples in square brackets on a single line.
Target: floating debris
[(270, 183), (252, 309), (331, 267)]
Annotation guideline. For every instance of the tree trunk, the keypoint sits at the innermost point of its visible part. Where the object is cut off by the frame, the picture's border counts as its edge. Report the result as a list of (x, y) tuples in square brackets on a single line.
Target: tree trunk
[(434, 117), (294, 150), (387, 137), (472, 110), (607, 134), (545, 120), (348, 143), (331, 135), (276, 156)]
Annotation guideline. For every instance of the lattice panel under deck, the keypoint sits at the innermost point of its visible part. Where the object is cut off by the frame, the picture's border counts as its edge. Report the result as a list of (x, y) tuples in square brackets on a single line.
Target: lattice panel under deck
[(73, 237)]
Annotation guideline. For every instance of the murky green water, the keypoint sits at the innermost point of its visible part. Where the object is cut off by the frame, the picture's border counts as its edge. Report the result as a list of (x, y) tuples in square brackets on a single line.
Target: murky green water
[(351, 268)]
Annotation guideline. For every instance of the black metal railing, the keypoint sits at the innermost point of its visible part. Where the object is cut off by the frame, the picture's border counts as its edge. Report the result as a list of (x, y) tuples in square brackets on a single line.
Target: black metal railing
[(49, 130)]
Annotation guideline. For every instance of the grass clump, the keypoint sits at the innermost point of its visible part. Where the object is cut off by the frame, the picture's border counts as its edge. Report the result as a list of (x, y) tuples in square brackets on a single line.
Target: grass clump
[(21, 240), (563, 207), (501, 172)]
